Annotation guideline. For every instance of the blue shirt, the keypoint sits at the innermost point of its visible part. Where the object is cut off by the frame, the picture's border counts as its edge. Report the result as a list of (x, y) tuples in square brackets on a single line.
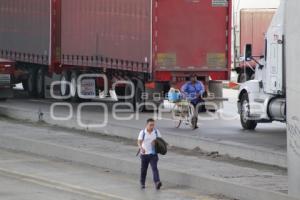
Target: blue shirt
[(193, 90)]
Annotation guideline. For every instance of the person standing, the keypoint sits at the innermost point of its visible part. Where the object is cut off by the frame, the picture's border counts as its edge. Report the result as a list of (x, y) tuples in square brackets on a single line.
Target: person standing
[(146, 144)]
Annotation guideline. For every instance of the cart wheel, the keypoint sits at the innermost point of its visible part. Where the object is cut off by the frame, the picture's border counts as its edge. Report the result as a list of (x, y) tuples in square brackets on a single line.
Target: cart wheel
[(177, 123), (194, 122), (192, 118), (177, 120)]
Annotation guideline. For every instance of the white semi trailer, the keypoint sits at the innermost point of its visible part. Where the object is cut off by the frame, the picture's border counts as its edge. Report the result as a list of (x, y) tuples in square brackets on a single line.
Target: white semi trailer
[(263, 99)]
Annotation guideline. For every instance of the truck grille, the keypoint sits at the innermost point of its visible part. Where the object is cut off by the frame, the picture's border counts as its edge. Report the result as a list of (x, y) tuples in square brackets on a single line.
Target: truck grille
[(4, 79)]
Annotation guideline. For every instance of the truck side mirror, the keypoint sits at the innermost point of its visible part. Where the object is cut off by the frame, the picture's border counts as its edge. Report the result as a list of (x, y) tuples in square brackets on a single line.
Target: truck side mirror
[(248, 52)]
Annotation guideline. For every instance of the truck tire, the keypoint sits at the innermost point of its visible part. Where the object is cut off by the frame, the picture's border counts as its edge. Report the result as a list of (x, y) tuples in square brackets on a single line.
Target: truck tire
[(246, 123), (64, 87), (40, 83), (31, 83), (140, 89), (25, 85), (73, 89), (137, 99), (128, 92), (120, 91)]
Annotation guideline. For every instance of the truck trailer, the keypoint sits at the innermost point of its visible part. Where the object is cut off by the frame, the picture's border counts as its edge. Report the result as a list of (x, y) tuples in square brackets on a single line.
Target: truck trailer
[(152, 43), (254, 24)]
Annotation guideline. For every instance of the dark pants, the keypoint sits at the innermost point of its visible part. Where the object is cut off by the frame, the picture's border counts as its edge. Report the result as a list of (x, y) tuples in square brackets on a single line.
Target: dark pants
[(200, 103), (145, 160)]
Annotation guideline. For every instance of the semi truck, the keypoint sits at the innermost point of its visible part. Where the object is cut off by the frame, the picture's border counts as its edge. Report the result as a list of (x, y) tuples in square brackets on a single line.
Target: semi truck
[(6, 79), (152, 43), (253, 25), (263, 99)]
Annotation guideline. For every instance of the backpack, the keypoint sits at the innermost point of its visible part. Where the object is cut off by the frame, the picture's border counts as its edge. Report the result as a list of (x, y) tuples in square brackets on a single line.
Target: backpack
[(161, 146)]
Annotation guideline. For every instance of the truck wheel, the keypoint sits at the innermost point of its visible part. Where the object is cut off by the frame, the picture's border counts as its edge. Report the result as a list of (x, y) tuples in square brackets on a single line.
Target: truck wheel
[(247, 124), (120, 91), (64, 87), (25, 85), (73, 89), (40, 83), (31, 83), (128, 92), (139, 97)]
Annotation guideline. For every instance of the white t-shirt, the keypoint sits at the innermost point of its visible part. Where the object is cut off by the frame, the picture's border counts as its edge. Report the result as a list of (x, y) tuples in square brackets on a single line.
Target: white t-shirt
[(148, 139)]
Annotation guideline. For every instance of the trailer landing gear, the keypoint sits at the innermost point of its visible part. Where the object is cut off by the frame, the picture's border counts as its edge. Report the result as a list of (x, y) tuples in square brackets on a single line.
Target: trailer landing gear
[(64, 86), (74, 89)]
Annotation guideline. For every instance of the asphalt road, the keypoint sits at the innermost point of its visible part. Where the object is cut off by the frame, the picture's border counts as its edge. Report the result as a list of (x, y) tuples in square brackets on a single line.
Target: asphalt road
[(25, 176), (223, 126), (206, 173)]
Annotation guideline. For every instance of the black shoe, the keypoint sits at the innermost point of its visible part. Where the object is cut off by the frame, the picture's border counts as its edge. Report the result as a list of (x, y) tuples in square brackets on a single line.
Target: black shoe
[(158, 185), (143, 187)]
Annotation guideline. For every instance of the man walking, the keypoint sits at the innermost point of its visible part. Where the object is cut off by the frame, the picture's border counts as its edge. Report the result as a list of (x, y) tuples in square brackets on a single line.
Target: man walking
[(146, 143)]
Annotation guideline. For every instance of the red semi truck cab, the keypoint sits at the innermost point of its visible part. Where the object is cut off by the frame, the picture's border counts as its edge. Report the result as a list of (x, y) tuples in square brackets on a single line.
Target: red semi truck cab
[(6, 79)]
